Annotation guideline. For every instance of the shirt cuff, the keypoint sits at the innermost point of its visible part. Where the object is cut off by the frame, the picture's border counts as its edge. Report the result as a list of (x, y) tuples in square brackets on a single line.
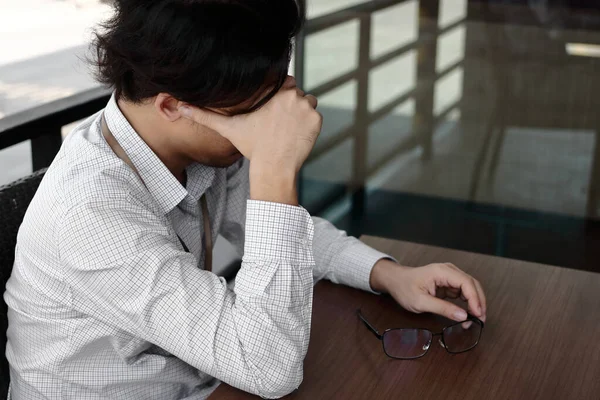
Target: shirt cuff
[(358, 261), (278, 231)]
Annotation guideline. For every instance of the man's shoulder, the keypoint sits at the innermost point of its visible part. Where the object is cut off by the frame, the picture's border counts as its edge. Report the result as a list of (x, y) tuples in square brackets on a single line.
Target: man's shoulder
[(86, 171)]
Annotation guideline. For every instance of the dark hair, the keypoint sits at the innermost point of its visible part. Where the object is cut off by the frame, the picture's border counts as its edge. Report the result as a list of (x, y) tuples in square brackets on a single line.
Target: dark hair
[(208, 53)]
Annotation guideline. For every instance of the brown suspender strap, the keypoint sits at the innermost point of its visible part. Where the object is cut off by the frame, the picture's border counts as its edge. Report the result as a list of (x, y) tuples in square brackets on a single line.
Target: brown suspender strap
[(119, 152)]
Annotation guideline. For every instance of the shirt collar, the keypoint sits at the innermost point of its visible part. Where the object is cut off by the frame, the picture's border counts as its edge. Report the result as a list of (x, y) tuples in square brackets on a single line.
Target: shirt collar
[(161, 183), (199, 178)]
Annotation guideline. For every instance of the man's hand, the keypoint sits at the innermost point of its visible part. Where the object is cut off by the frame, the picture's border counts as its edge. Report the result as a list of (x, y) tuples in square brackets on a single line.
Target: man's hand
[(422, 289), (276, 139)]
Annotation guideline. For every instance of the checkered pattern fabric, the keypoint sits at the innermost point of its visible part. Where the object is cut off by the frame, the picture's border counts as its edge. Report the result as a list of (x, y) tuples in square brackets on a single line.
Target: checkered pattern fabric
[(104, 303)]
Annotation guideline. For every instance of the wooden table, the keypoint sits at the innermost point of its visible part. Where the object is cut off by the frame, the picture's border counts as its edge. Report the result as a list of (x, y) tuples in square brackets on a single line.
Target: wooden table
[(541, 340)]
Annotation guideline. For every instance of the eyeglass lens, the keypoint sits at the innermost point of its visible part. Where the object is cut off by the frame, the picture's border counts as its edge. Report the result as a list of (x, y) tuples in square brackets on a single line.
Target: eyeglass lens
[(462, 336), (406, 343)]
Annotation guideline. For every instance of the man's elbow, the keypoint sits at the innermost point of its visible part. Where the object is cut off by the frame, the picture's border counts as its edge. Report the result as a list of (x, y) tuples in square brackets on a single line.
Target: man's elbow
[(281, 381)]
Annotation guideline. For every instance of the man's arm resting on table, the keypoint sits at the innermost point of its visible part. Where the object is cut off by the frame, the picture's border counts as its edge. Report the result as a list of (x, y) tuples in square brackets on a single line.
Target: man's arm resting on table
[(128, 272), (344, 259)]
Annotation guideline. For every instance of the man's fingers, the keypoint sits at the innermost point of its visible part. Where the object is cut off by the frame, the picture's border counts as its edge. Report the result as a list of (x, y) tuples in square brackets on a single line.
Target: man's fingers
[(467, 325), (312, 100), (289, 82), (466, 284), (454, 267), (478, 287), (481, 298), (447, 292), (441, 307)]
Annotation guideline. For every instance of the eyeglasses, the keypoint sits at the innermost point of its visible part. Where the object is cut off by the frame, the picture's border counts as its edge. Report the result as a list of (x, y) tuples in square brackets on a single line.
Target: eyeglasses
[(411, 343)]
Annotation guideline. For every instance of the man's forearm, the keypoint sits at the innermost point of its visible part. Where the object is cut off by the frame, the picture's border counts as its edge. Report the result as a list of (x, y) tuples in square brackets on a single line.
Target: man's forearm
[(274, 184), (341, 258), (274, 329)]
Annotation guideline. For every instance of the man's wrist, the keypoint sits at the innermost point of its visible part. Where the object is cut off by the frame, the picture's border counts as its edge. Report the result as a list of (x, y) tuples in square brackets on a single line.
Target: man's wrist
[(380, 273), (271, 183)]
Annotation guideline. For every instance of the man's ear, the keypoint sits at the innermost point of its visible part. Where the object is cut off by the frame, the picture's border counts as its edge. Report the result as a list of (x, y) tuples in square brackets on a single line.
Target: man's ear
[(167, 107)]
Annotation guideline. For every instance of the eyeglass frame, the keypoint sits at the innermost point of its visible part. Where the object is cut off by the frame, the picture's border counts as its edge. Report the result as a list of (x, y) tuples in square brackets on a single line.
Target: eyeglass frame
[(470, 318)]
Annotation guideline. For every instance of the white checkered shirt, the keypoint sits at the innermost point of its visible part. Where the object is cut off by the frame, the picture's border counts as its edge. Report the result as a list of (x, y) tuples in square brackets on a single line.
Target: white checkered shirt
[(104, 303)]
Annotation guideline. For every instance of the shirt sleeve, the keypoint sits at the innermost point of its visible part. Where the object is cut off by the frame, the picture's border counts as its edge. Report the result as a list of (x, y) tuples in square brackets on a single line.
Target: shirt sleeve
[(341, 258), (124, 268)]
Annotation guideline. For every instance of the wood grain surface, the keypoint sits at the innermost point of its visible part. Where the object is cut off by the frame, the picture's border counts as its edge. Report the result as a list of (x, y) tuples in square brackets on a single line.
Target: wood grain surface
[(541, 339)]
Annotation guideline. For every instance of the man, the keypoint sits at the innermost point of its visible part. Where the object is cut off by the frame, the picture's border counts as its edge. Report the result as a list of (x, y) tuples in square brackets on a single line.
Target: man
[(112, 296)]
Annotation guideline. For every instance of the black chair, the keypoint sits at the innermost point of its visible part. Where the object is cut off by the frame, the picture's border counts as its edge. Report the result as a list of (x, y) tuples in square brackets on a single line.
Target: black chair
[(14, 200)]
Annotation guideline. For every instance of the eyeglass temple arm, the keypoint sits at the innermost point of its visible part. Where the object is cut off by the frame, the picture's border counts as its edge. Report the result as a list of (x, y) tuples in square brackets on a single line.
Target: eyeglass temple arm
[(368, 325)]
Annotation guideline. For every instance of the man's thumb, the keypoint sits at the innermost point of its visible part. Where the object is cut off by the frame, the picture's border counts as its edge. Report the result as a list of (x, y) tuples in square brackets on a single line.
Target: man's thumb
[(210, 119)]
